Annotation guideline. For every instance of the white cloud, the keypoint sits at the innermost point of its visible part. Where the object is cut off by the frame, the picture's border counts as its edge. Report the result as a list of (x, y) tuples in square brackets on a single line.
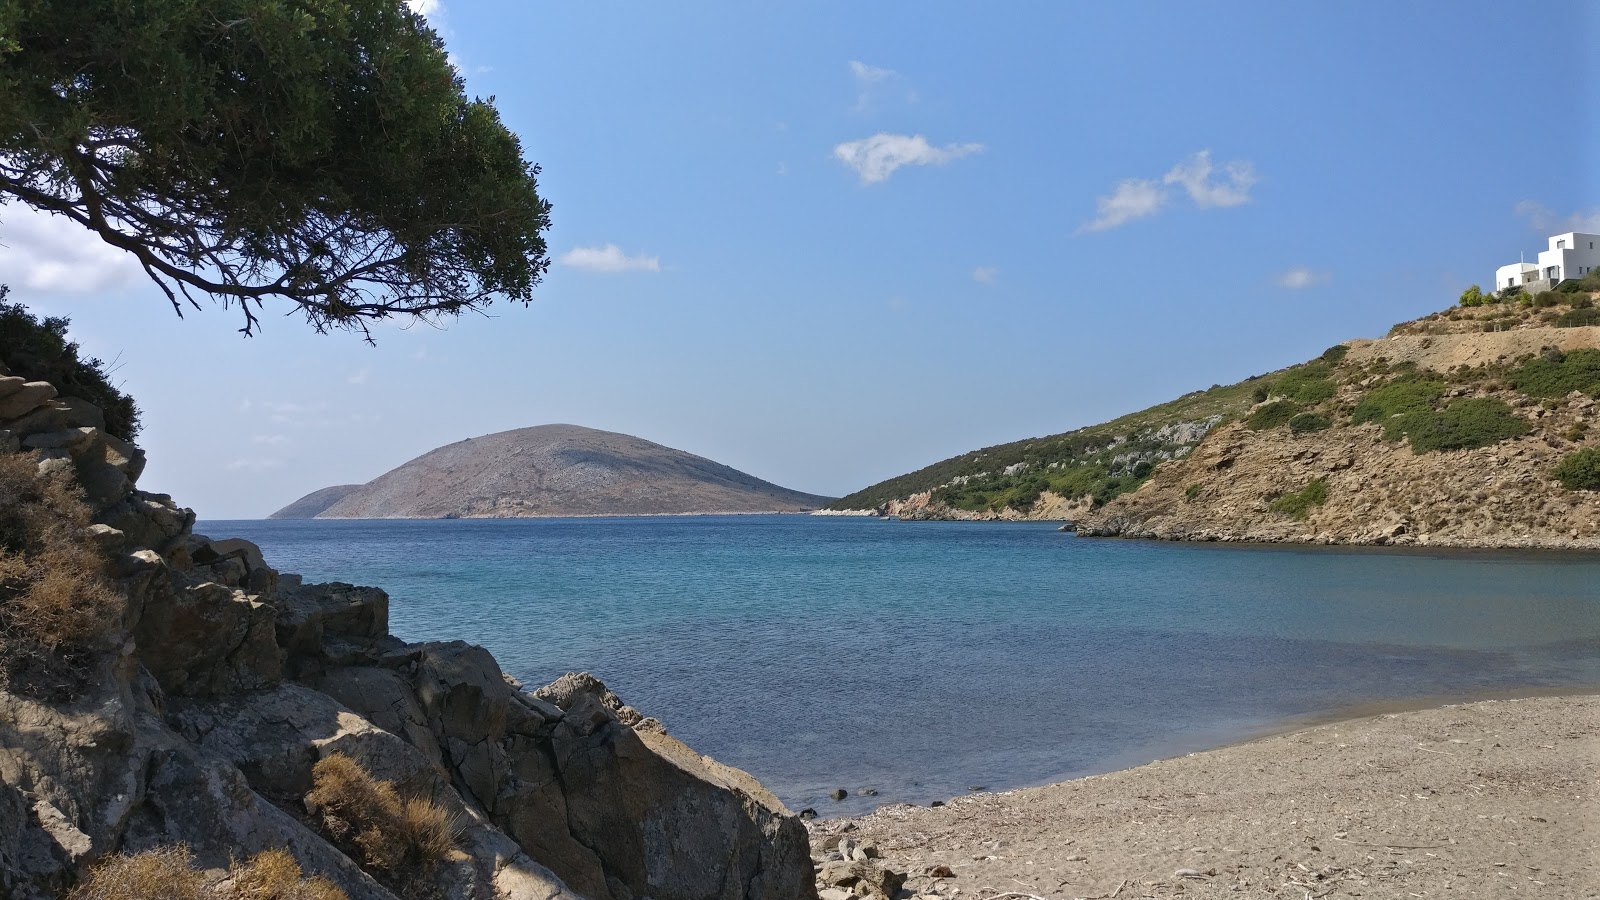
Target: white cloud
[(360, 377), (1546, 221), (870, 74), (1195, 173), (425, 7), (1132, 199), (783, 168), (609, 258), (55, 255), (875, 158), (985, 274), (270, 440), (1300, 277), (253, 464), (1206, 184)]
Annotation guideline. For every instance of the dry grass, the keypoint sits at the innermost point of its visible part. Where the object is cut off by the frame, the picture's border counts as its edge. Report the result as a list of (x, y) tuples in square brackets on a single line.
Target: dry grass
[(166, 873), (389, 834), (274, 875), (58, 611)]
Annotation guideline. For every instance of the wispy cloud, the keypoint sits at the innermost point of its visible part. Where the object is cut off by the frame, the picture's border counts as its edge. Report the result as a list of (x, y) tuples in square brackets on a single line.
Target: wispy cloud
[(985, 274), (1547, 221), (52, 255), (1300, 277), (1207, 184), (1195, 174), (425, 7), (1131, 199), (609, 258), (254, 464), (360, 377), (870, 82), (875, 158)]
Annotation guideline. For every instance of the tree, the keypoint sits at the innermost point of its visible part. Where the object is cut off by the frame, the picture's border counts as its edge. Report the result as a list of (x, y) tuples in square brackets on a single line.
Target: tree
[(321, 152), (1472, 296)]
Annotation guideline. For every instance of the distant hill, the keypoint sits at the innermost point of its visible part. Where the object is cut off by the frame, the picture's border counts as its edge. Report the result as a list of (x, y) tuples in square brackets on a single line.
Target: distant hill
[(556, 470), (311, 505)]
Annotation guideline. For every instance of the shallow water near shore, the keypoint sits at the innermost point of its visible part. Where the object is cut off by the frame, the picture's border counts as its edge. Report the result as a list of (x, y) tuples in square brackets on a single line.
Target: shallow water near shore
[(923, 659)]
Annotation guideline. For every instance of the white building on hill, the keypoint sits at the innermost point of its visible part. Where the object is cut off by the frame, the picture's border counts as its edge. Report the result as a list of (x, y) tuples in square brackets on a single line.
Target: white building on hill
[(1571, 255)]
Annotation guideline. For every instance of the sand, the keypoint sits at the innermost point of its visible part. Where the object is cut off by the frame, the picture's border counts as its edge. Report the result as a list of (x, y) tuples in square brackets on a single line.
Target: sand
[(1488, 799)]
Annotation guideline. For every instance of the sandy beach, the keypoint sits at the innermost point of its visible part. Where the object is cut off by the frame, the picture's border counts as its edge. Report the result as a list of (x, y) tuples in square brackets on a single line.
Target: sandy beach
[(1489, 799)]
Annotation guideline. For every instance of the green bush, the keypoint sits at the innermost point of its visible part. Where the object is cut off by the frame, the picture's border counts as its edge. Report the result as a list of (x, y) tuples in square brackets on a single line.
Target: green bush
[(1472, 296), (1546, 299), (1463, 425), (1580, 471), (1273, 414), (1557, 374), (1191, 492), (1260, 394), (38, 350), (1299, 504), (1305, 384), (1407, 394), (1570, 286), (1577, 318), (1305, 423), (1335, 354)]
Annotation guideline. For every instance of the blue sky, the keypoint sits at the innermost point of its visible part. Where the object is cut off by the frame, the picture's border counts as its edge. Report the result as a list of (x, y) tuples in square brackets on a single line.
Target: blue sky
[(829, 243)]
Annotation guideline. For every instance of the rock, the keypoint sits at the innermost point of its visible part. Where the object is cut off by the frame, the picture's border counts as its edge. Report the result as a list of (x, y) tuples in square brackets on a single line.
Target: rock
[(10, 384), (937, 803), (977, 787), (308, 616), (72, 440), (808, 813), (206, 638), (864, 878), (941, 871), (869, 792), (838, 793), (26, 398)]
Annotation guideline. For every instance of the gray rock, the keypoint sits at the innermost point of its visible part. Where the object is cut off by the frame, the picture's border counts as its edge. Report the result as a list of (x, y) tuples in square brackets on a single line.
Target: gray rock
[(26, 398)]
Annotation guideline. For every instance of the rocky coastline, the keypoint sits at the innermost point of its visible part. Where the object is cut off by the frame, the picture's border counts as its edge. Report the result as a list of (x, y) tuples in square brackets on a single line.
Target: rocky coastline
[(230, 683)]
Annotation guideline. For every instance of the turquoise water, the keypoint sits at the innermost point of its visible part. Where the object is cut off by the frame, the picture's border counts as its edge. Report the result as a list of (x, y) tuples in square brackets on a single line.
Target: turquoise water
[(921, 659)]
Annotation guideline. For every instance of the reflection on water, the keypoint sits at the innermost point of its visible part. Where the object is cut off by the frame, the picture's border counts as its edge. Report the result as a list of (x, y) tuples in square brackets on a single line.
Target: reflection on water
[(921, 658)]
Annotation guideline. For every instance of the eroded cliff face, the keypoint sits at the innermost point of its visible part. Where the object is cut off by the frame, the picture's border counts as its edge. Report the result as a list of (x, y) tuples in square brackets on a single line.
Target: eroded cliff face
[(1377, 489), (232, 681)]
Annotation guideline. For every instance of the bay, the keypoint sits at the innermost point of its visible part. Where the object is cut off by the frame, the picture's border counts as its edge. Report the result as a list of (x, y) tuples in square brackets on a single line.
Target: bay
[(923, 659)]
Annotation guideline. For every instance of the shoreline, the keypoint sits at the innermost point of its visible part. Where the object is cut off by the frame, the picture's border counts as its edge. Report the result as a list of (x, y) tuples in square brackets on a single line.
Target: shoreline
[(1396, 800)]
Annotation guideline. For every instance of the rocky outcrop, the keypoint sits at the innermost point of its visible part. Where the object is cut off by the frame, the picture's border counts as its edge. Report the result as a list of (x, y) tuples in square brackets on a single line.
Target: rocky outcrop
[(553, 470), (232, 682)]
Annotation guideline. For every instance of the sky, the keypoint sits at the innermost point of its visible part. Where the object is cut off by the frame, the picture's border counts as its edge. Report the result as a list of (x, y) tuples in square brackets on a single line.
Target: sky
[(830, 243)]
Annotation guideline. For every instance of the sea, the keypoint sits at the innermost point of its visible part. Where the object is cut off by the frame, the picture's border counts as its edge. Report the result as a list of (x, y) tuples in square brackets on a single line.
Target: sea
[(923, 660)]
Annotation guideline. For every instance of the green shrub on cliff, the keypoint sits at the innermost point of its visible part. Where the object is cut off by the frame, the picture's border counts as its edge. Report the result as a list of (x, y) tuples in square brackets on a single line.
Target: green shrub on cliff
[(1305, 423), (38, 350), (1299, 504), (1580, 470), (1472, 296), (1557, 374), (1273, 414), (1463, 425), (1305, 384), (1578, 318), (1407, 394)]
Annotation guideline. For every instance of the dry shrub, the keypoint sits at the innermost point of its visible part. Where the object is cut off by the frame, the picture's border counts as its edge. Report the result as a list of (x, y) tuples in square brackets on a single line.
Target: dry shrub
[(274, 875), (360, 811), (58, 610), (166, 873)]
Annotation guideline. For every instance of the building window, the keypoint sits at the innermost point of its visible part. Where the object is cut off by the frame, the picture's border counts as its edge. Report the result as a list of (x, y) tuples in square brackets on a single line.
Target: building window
[(1561, 245)]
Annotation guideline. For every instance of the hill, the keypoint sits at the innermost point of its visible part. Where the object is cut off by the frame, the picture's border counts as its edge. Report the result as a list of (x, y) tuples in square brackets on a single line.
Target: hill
[(1468, 427), (559, 470), (312, 505)]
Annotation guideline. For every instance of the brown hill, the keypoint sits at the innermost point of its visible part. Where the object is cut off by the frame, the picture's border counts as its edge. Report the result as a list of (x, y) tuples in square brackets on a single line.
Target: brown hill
[(1441, 434), (312, 505), (561, 470)]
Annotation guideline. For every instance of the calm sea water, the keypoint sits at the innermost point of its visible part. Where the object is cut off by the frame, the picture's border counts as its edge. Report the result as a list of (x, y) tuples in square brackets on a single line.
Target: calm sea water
[(922, 659)]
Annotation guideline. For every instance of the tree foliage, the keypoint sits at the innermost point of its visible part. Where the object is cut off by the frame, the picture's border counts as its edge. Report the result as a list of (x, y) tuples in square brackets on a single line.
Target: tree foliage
[(1472, 296), (1580, 470), (38, 350), (321, 152)]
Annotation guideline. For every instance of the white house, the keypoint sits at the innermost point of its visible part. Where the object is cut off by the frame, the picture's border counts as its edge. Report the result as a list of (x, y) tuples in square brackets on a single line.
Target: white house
[(1571, 255)]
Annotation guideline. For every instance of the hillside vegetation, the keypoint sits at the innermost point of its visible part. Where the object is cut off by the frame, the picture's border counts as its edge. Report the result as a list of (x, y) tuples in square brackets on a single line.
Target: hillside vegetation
[(1514, 372)]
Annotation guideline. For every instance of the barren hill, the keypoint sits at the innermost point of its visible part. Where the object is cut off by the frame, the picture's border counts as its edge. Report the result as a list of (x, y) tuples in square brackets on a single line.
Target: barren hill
[(1472, 427), (561, 470), (312, 505)]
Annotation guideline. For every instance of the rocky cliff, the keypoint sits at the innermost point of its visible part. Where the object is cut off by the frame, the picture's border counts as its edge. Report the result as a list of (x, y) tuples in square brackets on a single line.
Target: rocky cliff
[(315, 503), (226, 686), (1449, 432), (556, 470)]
